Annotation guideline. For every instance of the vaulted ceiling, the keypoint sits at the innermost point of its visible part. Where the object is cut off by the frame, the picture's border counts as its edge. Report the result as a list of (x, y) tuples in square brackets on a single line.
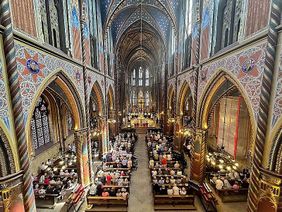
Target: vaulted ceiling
[(126, 20)]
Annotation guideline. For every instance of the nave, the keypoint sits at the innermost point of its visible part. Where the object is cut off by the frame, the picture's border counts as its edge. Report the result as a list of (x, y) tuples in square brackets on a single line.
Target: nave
[(200, 79)]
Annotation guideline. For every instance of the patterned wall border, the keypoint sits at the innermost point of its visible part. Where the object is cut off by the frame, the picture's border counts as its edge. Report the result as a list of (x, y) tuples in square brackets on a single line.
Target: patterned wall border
[(233, 64), (47, 64)]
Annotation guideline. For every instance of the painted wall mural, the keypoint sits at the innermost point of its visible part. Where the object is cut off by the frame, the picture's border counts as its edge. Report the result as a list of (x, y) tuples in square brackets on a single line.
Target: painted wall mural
[(189, 78), (35, 66), (277, 106), (4, 115), (94, 77), (246, 66)]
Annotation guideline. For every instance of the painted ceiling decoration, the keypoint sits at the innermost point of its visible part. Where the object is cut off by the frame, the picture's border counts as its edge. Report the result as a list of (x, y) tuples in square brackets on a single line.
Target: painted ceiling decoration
[(152, 43), (117, 12), (135, 17)]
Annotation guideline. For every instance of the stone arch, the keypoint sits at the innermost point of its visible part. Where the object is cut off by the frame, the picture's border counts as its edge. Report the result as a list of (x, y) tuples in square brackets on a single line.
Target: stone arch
[(7, 159), (211, 88), (98, 94), (171, 94), (275, 157), (71, 93), (185, 89), (110, 97), (207, 101)]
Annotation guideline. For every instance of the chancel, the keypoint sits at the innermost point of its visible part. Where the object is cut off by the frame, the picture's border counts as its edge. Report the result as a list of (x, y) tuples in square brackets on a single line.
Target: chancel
[(141, 105)]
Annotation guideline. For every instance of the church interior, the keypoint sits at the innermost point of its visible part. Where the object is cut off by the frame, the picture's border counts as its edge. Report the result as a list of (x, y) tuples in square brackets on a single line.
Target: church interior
[(140, 105)]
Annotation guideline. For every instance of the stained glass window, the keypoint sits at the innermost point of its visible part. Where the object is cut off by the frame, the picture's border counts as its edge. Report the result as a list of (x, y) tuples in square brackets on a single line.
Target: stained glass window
[(147, 75), (133, 77), (40, 130), (147, 98)]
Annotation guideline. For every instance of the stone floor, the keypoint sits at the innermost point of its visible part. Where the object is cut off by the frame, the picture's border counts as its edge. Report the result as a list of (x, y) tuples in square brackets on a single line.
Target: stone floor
[(141, 196)]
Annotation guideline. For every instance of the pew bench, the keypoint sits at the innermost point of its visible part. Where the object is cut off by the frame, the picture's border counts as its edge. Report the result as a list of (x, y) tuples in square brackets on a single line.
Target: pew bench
[(98, 203), (48, 201), (174, 203)]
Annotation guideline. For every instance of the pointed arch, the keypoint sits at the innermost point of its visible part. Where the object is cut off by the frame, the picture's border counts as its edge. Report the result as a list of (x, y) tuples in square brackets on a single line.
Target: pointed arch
[(209, 92), (184, 91), (275, 157), (97, 93), (7, 158), (171, 93), (110, 97), (72, 95), (211, 96)]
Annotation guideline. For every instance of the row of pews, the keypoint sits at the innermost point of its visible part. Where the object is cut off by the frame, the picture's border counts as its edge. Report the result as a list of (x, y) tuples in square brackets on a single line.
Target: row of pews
[(111, 188), (57, 181), (171, 187)]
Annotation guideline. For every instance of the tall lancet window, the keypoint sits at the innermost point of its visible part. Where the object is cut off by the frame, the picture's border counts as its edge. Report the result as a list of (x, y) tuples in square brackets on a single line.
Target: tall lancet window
[(147, 80), (147, 98), (133, 79), (140, 76), (40, 125)]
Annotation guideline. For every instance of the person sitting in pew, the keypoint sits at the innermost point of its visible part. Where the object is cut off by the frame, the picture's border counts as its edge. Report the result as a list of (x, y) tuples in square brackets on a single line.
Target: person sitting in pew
[(42, 178), (112, 192), (172, 180), (179, 173), (169, 157), (151, 163), (183, 191), (176, 165), (105, 193), (36, 188), (175, 189), (93, 189), (118, 194), (167, 180), (47, 181), (49, 189), (154, 172), (41, 192), (169, 191), (163, 190), (161, 181)]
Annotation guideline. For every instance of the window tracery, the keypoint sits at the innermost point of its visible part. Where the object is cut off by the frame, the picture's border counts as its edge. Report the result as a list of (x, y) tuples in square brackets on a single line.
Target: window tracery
[(40, 125)]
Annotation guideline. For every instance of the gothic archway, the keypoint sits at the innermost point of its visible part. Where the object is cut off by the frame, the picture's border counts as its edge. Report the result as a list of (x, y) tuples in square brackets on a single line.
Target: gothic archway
[(226, 115), (7, 163), (96, 112), (54, 115)]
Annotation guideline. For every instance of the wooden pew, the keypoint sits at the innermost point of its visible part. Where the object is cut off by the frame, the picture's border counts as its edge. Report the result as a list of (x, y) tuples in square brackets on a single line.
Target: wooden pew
[(174, 203), (48, 201), (98, 203)]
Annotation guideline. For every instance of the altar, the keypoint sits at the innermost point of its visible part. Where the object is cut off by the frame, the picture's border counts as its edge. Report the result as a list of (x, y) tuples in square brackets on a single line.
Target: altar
[(142, 121)]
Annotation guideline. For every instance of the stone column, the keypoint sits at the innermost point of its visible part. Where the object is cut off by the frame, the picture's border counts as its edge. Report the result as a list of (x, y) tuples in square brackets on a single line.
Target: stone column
[(265, 102), (269, 195), (86, 147), (17, 113), (80, 139), (198, 160)]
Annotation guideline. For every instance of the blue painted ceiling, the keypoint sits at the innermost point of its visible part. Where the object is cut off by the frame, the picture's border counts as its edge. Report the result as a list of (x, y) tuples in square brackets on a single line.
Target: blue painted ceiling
[(160, 12)]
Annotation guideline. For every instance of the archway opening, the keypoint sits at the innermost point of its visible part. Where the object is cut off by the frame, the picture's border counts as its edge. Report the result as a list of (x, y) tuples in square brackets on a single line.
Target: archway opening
[(229, 127), (96, 120), (55, 115)]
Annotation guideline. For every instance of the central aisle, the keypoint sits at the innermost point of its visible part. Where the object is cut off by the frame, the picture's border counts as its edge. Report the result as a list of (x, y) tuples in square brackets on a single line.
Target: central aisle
[(141, 196)]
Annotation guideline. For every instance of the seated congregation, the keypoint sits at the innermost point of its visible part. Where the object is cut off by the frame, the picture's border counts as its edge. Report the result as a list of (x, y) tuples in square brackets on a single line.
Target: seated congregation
[(57, 181), (170, 184), (112, 180)]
